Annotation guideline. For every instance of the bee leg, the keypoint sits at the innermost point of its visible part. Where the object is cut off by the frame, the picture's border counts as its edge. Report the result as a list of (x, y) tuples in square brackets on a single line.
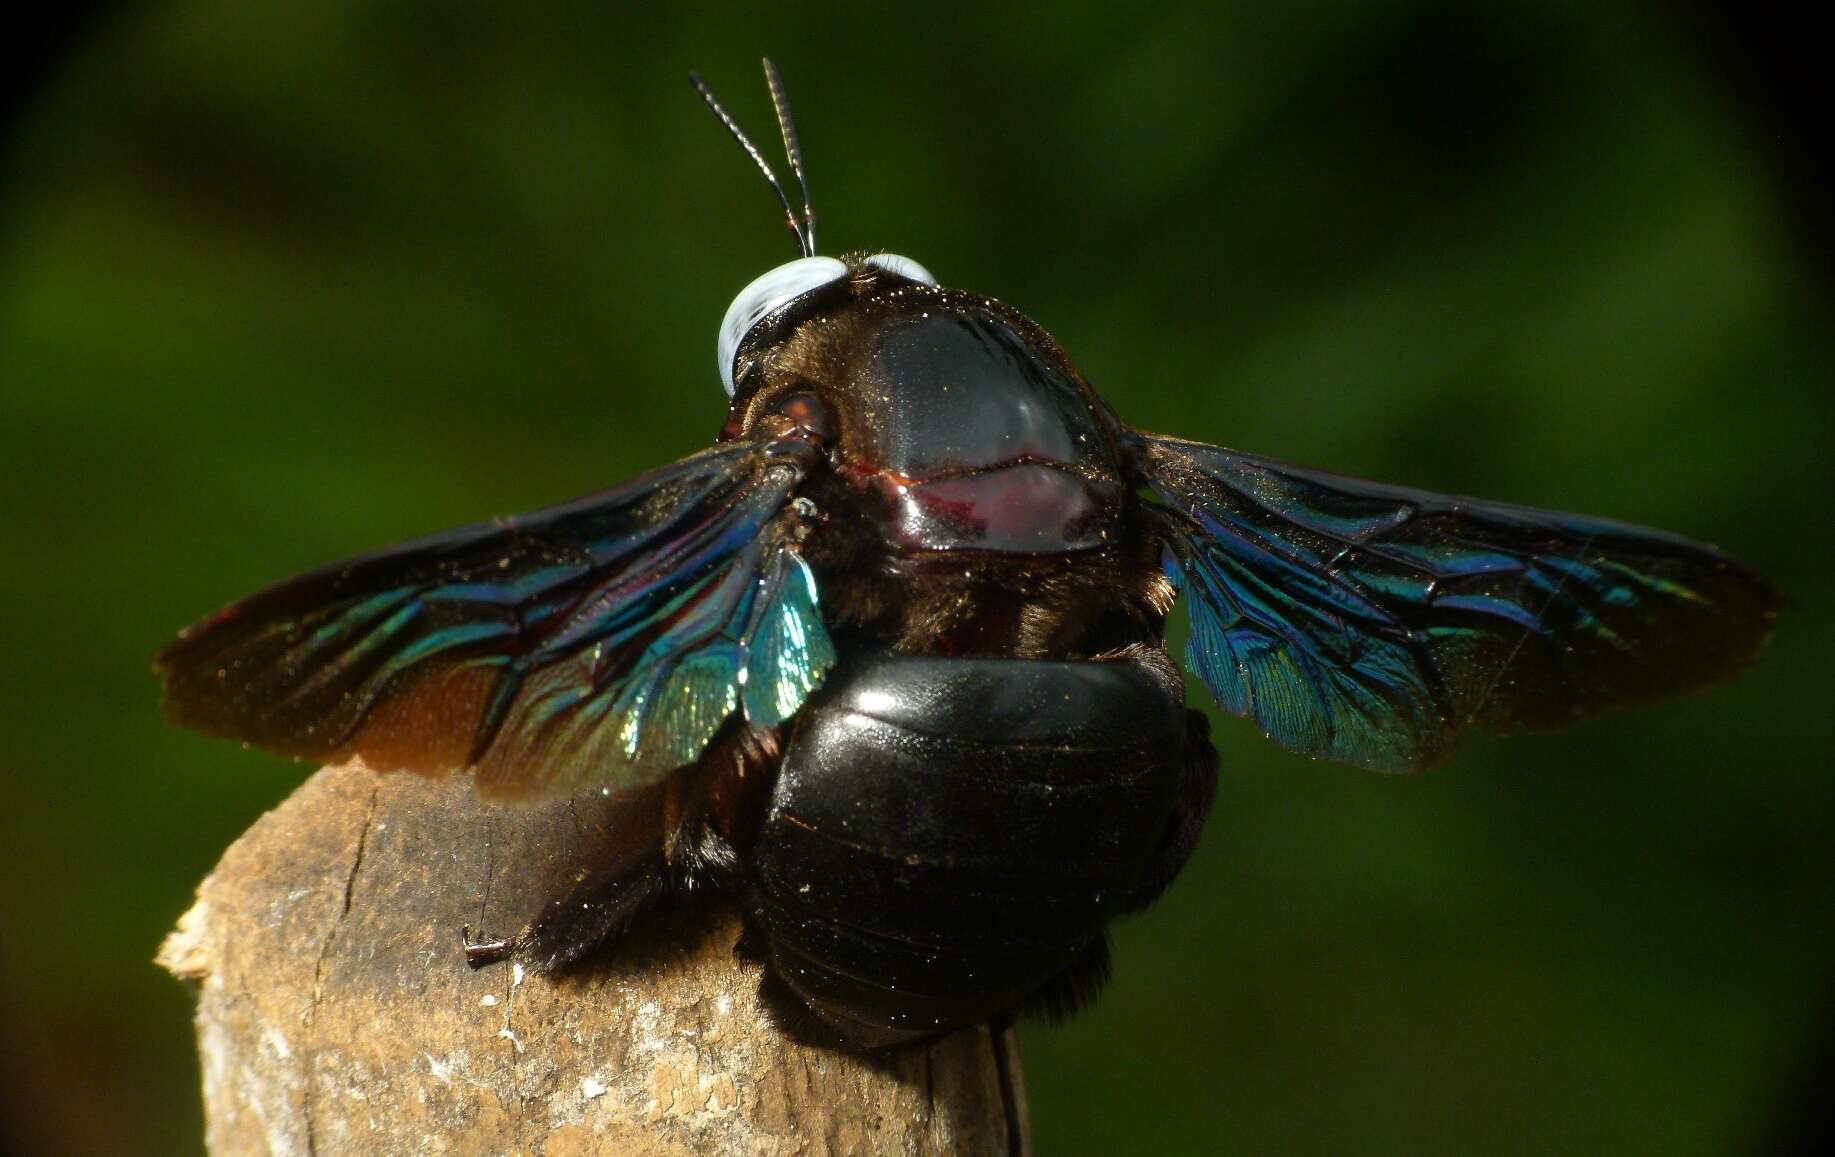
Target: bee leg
[(594, 913), (712, 813), (599, 864), (680, 837), (1197, 787), (483, 948), (702, 857), (602, 905)]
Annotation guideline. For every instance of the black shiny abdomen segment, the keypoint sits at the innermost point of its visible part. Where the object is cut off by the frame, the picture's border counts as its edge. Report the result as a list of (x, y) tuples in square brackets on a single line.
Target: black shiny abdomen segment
[(946, 835), (1090, 706)]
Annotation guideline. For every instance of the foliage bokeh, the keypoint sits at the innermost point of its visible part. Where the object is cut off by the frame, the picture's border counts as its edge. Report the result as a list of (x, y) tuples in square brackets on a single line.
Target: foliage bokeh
[(279, 283)]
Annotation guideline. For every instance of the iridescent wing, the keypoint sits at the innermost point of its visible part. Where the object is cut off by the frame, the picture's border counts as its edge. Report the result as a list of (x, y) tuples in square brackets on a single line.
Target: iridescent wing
[(1369, 624), (598, 643)]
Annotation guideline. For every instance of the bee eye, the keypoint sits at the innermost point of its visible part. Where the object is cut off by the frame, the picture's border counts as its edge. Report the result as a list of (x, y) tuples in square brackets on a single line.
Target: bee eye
[(775, 289), (903, 266)]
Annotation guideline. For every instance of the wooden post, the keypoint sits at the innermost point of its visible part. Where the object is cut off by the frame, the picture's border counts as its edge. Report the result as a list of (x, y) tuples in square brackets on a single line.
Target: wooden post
[(336, 1013)]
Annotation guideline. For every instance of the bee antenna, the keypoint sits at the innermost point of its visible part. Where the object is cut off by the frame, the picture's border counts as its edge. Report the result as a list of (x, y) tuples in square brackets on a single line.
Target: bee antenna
[(786, 125), (805, 241)]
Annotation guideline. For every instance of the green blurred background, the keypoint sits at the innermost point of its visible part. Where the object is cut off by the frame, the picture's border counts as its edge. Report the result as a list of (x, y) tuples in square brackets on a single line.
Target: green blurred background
[(283, 283)]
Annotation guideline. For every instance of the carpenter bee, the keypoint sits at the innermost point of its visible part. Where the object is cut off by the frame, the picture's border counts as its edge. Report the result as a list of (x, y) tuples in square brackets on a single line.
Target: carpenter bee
[(886, 663)]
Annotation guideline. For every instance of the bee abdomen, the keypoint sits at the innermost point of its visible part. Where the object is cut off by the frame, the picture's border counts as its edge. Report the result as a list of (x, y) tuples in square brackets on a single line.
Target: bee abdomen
[(946, 835)]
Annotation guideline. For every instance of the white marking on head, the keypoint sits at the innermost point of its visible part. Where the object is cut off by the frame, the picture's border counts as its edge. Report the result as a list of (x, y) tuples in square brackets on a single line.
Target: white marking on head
[(903, 266), (765, 295)]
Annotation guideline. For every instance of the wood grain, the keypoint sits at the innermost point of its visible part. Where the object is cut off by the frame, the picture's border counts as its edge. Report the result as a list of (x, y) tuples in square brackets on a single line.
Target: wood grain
[(336, 1013)]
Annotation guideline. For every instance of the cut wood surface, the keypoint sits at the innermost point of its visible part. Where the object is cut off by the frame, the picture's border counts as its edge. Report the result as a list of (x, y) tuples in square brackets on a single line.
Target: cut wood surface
[(336, 1013)]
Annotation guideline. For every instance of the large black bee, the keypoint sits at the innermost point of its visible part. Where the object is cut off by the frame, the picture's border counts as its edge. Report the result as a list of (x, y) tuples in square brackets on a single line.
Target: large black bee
[(886, 662)]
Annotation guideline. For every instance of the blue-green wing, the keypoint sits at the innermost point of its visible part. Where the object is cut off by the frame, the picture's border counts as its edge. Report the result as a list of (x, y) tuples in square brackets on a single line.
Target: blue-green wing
[(602, 642), (1369, 624)]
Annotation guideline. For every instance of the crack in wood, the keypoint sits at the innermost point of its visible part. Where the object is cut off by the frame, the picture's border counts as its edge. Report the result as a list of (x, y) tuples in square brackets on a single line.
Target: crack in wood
[(309, 1054), (646, 1027)]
